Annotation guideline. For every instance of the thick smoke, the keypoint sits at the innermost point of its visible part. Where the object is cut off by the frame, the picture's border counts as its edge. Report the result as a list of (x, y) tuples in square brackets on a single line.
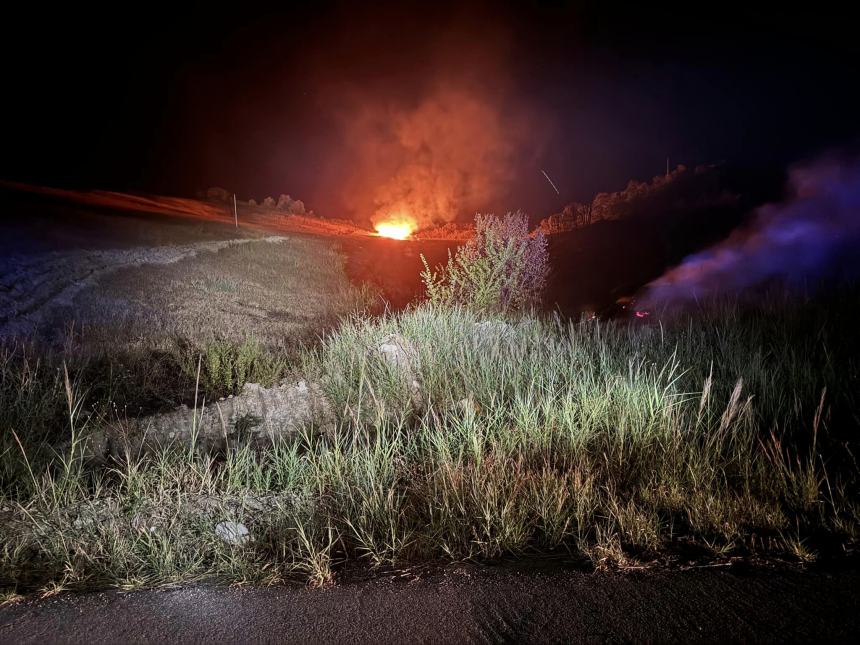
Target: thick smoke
[(454, 151), (813, 235), (428, 121)]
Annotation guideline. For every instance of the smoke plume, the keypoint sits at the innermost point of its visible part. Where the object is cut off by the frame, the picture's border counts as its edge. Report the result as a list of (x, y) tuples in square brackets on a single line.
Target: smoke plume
[(454, 151), (811, 236)]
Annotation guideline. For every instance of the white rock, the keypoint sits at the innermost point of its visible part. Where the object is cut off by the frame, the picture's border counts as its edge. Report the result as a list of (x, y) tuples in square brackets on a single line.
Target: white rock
[(264, 415), (232, 532), (399, 353)]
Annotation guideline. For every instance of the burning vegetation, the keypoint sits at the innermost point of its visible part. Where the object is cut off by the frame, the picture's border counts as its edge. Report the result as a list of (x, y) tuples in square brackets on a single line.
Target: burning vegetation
[(399, 228)]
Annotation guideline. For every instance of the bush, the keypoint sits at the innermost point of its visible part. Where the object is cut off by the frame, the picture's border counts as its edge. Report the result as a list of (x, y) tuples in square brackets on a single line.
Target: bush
[(501, 269), (291, 206)]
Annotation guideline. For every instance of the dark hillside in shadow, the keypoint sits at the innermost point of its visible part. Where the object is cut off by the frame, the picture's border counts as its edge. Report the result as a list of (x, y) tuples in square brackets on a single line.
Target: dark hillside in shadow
[(593, 266)]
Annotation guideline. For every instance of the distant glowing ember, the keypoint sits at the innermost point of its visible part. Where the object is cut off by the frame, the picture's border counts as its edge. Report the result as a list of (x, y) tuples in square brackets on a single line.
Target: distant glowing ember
[(396, 229)]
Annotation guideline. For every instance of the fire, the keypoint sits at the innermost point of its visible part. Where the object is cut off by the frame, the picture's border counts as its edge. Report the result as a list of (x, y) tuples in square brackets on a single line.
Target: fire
[(396, 229)]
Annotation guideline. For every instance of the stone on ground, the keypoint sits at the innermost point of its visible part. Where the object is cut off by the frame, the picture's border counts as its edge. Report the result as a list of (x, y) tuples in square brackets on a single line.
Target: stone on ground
[(232, 532), (258, 415)]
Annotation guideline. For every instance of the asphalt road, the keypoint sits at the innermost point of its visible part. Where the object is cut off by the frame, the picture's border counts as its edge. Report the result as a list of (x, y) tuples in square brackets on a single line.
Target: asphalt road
[(464, 604)]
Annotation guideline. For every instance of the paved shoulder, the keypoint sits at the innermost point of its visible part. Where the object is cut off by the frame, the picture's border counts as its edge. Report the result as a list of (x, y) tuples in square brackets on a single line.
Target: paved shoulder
[(465, 604)]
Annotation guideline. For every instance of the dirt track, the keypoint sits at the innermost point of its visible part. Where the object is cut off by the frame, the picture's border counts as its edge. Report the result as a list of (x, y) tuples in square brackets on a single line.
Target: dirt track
[(464, 604)]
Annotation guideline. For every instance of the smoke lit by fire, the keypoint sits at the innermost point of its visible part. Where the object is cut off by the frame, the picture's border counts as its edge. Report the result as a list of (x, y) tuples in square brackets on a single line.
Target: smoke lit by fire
[(453, 134), (455, 151)]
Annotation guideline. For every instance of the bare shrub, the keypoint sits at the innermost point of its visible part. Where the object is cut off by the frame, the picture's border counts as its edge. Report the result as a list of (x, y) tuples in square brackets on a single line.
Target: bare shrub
[(501, 269)]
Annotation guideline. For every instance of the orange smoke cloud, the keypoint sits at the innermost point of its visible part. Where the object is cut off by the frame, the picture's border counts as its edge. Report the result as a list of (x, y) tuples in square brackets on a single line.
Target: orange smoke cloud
[(452, 152)]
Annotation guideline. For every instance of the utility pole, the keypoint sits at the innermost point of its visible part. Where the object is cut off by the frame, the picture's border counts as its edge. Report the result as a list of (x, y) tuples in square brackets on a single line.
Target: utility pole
[(667, 166), (235, 211)]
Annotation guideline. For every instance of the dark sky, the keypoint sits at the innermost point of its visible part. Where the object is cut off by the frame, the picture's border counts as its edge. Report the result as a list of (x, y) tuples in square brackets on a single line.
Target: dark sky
[(267, 101)]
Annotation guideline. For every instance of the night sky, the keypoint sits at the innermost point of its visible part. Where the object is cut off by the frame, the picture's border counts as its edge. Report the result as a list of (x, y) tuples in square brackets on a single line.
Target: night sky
[(266, 101)]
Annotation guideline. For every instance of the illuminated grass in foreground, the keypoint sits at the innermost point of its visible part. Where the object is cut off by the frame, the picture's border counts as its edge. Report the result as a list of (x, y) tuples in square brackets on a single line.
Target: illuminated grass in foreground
[(613, 441)]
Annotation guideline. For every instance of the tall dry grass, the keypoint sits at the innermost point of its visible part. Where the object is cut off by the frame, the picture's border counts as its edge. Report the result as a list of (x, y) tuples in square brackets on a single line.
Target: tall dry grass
[(726, 433)]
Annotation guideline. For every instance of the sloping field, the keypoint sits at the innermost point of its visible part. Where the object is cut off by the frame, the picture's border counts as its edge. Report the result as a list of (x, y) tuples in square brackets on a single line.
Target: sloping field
[(32, 286), (272, 288), (129, 267), (124, 278)]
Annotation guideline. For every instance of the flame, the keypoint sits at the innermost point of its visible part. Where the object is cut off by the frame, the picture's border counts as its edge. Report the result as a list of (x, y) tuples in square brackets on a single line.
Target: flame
[(398, 229)]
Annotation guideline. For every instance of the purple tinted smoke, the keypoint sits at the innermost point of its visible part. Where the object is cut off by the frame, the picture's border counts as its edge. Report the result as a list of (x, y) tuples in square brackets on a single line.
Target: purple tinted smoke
[(813, 235)]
